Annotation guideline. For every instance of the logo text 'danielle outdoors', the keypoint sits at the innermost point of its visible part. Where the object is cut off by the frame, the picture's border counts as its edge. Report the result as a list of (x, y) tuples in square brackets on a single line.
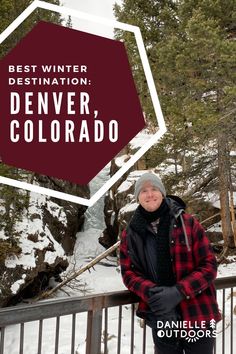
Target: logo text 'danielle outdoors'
[(189, 330)]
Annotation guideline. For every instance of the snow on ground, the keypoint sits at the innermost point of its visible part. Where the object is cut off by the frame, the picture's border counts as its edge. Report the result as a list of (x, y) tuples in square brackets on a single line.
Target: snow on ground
[(105, 277), (227, 270)]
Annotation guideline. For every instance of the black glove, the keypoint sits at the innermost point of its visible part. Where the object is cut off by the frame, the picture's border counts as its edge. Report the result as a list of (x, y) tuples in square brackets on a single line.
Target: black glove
[(164, 299)]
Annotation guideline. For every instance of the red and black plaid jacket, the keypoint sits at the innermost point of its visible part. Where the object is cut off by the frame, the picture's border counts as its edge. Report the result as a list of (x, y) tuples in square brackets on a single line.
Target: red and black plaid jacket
[(194, 270)]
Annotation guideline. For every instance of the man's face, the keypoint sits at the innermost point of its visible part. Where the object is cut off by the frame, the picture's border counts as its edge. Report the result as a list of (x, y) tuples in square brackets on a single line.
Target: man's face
[(150, 197)]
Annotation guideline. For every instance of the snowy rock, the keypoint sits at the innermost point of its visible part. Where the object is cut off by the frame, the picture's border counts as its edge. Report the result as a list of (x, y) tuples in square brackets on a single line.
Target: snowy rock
[(119, 207), (35, 241)]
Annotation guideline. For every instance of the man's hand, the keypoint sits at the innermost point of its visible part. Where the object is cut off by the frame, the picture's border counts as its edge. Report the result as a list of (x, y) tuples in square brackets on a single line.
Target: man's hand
[(163, 299)]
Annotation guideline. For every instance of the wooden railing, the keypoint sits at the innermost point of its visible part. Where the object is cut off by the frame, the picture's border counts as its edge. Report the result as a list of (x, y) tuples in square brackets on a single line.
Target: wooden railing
[(96, 323)]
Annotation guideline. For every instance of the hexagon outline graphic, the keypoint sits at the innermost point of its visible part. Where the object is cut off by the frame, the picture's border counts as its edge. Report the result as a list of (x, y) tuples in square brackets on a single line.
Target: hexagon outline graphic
[(150, 82)]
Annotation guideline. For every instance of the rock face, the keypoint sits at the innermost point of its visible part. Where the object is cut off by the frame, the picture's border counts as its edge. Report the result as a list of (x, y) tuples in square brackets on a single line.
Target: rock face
[(36, 244), (119, 206), (64, 233)]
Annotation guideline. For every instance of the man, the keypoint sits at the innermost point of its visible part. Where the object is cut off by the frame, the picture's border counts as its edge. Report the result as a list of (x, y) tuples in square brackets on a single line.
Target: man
[(167, 261)]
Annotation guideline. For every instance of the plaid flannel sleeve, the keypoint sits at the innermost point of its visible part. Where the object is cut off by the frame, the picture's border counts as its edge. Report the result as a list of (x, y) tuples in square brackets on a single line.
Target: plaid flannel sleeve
[(132, 279), (205, 269)]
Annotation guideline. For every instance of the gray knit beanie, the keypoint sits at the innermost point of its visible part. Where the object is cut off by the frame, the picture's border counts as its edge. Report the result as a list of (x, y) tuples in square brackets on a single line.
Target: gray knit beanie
[(153, 179)]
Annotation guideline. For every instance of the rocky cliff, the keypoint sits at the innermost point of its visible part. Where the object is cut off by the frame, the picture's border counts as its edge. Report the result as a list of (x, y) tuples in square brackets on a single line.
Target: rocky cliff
[(36, 235)]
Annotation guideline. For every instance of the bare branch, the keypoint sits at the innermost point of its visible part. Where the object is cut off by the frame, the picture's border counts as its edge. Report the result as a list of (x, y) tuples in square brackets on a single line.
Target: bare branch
[(79, 272)]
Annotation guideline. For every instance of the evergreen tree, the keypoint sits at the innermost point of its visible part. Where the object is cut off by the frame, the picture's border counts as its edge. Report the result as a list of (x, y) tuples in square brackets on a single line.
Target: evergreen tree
[(191, 48), (11, 9)]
